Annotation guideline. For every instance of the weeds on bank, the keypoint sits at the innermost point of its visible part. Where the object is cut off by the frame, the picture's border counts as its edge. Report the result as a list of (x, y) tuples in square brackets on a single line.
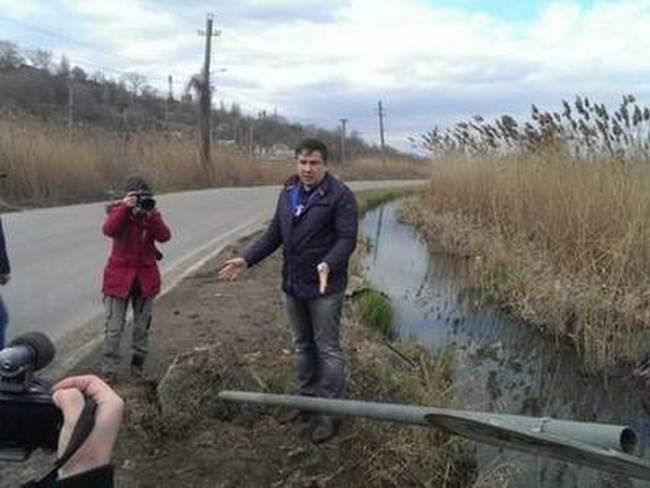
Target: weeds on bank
[(554, 213), (376, 311), (370, 199), (400, 455)]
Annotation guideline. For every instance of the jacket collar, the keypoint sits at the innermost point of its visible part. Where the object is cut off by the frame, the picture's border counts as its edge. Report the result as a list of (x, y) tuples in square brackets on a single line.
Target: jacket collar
[(323, 188)]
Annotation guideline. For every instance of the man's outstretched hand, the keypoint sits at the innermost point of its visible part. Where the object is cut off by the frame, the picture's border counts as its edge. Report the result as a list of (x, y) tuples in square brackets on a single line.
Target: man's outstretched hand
[(232, 269)]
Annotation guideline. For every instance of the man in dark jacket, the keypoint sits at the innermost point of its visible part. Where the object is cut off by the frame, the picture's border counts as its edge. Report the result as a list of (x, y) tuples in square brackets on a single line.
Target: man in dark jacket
[(131, 274), (5, 274), (316, 222)]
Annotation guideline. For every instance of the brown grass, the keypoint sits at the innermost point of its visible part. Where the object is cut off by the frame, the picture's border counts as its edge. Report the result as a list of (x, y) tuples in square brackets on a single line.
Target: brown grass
[(565, 243), (373, 169), (48, 165)]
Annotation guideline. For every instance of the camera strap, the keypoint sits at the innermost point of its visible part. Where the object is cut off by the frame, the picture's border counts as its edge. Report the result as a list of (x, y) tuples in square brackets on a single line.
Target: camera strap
[(82, 430)]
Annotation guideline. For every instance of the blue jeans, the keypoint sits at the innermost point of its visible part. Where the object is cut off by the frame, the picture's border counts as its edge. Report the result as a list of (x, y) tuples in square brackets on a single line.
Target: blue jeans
[(315, 326), (4, 320)]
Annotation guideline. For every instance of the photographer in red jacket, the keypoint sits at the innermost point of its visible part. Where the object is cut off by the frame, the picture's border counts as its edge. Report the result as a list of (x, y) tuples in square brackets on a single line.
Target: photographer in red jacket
[(131, 274)]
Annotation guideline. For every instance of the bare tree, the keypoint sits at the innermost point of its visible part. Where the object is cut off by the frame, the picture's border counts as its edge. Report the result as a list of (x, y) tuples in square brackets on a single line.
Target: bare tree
[(134, 81), (10, 56), (63, 70), (40, 58)]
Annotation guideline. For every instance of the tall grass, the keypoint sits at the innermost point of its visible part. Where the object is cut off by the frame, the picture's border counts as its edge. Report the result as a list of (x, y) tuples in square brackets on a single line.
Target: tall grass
[(376, 311), (555, 210), (373, 169), (573, 237), (47, 165)]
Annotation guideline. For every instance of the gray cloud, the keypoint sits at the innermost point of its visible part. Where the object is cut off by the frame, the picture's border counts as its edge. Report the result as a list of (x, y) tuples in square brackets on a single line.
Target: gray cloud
[(235, 12), (426, 72), (411, 113)]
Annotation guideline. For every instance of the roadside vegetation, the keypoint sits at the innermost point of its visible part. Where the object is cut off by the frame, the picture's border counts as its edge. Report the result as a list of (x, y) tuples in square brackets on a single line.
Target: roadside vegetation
[(46, 165), (375, 311), (383, 370), (553, 211), (67, 135), (371, 199)]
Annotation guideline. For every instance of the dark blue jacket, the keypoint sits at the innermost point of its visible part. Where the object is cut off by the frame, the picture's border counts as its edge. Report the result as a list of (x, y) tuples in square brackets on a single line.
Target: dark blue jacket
[(4, 259), (325, 232)]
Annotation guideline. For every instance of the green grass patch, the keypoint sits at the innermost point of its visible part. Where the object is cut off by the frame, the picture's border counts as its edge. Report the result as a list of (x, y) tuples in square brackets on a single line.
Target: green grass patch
[(279, 383), (500, 277), (367, 243), (376, 311), (370, 199)]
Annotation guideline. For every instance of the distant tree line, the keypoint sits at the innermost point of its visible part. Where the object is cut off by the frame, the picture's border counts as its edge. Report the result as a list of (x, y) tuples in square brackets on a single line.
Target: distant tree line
[(32, 82)]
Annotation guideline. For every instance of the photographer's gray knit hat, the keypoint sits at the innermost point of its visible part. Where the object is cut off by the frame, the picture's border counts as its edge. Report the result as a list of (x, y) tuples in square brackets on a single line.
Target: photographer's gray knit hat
[(137, 183)]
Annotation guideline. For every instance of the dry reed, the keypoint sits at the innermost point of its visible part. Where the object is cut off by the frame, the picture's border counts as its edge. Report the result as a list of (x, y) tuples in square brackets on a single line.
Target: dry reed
[(49, 166), (565, 244)]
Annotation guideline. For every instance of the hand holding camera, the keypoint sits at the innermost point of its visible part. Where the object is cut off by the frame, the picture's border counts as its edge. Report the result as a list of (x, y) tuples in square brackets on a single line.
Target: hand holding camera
[(130, 200), (140, 201), (81, 419)]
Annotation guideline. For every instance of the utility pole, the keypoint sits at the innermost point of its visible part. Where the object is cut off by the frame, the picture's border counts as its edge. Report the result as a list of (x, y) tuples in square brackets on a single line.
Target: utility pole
[(70, 103), (205, 102), (251, 131), (170, 98), (235, 132), (343, 122), (381, 115)]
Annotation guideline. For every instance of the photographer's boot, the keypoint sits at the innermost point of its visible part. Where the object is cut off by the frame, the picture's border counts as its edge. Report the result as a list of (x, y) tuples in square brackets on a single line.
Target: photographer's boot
[(137, 367)]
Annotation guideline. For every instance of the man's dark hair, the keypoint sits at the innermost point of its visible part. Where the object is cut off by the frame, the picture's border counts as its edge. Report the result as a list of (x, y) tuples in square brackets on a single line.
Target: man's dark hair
[(311, 145)]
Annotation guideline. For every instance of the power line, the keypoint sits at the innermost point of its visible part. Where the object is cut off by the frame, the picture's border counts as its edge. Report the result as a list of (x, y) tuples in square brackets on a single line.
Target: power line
[(88, 65), (92, 49), (41, 30)]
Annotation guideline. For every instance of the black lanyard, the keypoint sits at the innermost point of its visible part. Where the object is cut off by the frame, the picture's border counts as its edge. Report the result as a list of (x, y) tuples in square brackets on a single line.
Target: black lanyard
[(296, 196), (81, 431)]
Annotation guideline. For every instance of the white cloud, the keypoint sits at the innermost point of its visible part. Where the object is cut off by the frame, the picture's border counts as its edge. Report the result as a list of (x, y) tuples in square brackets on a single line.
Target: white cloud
[(123, 15), (286, 53), (22, 9)]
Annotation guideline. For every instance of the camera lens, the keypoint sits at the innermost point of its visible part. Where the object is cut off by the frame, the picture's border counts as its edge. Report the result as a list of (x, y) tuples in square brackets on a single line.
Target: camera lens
[(147, 203)]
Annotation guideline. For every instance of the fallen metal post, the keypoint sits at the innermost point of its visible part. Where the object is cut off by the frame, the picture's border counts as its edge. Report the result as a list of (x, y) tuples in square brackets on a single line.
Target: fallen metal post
[(601, 446)]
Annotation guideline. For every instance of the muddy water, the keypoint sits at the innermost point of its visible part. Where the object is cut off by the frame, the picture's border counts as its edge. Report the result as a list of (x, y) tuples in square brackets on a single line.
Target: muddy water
[(498, 364)]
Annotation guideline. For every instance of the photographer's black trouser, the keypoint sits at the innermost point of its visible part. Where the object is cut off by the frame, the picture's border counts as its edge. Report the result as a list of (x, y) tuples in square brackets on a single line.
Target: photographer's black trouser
[(114, 326)]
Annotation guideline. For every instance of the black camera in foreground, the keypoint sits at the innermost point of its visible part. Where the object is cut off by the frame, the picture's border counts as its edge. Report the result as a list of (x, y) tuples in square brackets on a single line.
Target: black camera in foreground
[(145, 200), (28, 417)]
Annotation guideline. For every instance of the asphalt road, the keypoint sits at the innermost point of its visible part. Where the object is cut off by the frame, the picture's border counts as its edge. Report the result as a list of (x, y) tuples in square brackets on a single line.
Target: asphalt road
[(57, 254)]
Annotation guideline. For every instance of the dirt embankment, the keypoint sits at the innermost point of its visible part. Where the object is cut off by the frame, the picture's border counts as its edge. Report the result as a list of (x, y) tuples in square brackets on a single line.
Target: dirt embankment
[(210, 335)]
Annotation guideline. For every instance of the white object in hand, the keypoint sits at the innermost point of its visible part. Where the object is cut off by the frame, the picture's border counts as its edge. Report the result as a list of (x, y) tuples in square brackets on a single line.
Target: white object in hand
[(323, 274)]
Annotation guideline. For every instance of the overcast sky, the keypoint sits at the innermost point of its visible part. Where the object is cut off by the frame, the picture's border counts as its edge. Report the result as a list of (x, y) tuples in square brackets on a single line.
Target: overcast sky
[(431, 62)]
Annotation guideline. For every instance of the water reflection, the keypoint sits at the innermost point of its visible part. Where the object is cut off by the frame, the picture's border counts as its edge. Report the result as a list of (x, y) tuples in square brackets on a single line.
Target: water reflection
[(499, 364)]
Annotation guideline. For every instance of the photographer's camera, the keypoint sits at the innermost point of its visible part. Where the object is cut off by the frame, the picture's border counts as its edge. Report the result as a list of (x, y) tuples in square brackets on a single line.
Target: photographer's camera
[(145, 200)]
